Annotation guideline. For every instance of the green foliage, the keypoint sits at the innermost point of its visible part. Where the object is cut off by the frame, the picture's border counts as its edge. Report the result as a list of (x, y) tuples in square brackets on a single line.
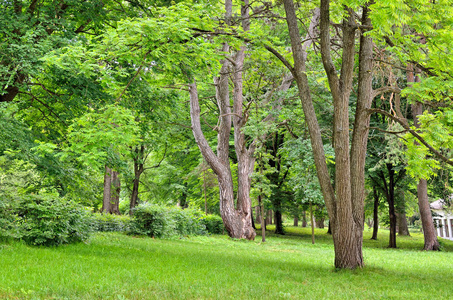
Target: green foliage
[(213, 224), (152, 220), (8, 229), (109, 222), (188, 221), (162, 221), (435, 129), (304, 179), (419, 34), (51, 221), (99, 138)]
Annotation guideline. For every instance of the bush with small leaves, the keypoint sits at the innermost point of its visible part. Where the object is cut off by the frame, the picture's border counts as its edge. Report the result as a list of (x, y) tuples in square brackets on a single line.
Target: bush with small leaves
[(108, 222), (161, 221), (188, 221), (8, 230), (153, 220), (51, 221), (213, 224)]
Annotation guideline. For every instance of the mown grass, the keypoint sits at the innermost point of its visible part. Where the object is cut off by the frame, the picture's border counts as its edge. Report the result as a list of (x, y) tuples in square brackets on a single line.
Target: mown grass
[(116, 266)]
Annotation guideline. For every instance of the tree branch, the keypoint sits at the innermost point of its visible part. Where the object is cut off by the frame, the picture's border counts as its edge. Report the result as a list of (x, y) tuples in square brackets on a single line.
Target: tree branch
[(385, 89), (414, 133)]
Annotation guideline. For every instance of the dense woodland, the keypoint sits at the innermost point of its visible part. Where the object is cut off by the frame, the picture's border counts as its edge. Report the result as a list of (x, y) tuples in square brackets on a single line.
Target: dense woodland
[(332, 113)]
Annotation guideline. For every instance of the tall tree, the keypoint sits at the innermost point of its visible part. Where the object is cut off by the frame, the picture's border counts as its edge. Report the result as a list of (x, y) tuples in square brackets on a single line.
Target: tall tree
[(237, 219), (345, 203)]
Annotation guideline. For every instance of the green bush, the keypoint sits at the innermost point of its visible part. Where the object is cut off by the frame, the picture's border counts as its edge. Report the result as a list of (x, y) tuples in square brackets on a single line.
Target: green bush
[(153, 220), (50, 221), (107, 222), (188, 221), (213, 224), (7, 228), (161, 221)]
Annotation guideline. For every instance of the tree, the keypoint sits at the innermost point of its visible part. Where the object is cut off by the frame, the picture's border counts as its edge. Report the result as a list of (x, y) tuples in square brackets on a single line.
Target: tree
[(99, 140), (346, 205), (237, 218), (420, 42)]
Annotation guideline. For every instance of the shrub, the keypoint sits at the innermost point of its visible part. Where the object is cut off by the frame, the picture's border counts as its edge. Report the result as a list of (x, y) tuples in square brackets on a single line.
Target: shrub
[(107, 222), (213, 224), (50, 221), (7, 228), (161, 221), (188, 221), (153, 220)]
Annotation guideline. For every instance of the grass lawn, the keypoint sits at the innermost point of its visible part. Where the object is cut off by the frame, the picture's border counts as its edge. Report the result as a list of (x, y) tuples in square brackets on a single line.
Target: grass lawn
[(116, 266)]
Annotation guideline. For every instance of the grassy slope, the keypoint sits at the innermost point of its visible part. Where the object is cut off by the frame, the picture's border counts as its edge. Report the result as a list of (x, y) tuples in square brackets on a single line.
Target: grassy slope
[(114, 266)]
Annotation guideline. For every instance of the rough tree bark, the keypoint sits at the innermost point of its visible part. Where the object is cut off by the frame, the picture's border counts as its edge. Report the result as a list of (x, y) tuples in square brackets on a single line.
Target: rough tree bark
[(107, 190), (112, 189), (346, 205), (115, 194)]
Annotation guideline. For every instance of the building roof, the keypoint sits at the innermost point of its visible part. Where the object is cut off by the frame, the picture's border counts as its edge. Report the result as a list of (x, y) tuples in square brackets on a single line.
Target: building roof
[(438, 204)]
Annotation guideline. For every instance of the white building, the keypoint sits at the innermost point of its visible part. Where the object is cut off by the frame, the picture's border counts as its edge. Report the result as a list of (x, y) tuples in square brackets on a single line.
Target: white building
[(443, 219)]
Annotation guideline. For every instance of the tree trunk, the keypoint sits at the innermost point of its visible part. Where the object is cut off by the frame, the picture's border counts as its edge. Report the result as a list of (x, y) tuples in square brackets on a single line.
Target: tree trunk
[(312, 223), (429, 232), (296, 222), (112, 189), (258, 213), (320, 223), (115, 194), (134, 195), (263, 222), (278, 222), (253, 220), (269, 217), (375, 214), (206, 199), (107, 190), (403, 229), (138, 170), (346, 205), (236, 216), (304, 219), (391, 204)]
